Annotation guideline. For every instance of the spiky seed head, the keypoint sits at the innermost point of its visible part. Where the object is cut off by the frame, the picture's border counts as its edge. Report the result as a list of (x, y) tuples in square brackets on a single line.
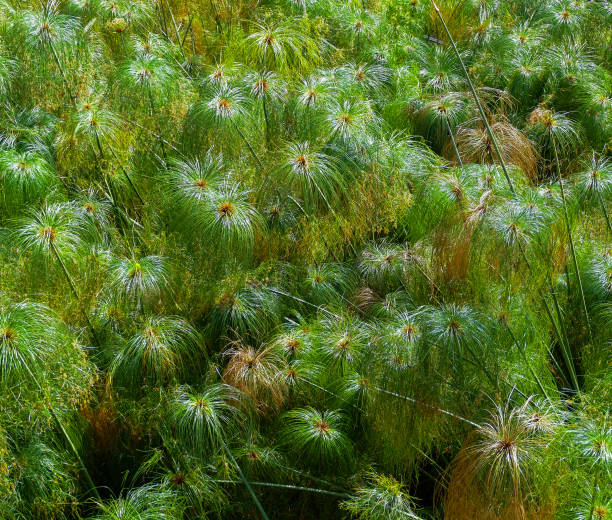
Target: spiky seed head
[(179, 479), (323, 427), (201, 405), (454, 327), (7, 335), (47, 234), (600, 512), (144, 73), (262, 85), (226, 209), (409, 332), (224, 106), (293, 345), (135, 270)]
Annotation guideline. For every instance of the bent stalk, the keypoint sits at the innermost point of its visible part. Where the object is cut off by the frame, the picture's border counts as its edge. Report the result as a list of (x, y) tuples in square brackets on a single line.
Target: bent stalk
[(480, 109)]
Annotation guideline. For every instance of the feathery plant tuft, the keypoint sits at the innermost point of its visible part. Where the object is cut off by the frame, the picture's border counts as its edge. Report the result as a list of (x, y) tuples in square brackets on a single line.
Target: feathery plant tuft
[(157, 353), (318, 437)]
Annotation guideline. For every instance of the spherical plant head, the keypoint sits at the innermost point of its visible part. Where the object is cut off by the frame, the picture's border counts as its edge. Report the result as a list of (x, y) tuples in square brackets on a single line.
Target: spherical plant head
[(316, 437)]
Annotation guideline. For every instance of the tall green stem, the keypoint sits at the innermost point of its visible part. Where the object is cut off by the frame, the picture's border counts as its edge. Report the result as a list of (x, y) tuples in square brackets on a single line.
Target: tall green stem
[(559, 332), (480, 109), (99, 144), (571, 241), (132, 185), (74, 291), (62, 428), (593, 498), (267, 123), (241, 134), (290, 487), (176, 32), (64, 78), (452, 137), (66, 274), (565, 346), (524, 356), (605, 212), (416, 401), (246, 483)]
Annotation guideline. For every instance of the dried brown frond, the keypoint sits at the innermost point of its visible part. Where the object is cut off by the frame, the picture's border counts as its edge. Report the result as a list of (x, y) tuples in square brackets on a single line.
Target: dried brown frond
[(491, 477), (496, 102), (364, 297), (475, 146), (259, 373), (451, 253), (478, 210)]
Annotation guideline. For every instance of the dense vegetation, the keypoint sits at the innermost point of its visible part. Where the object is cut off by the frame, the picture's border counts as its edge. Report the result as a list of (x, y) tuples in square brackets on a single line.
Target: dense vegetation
[(305, 259)]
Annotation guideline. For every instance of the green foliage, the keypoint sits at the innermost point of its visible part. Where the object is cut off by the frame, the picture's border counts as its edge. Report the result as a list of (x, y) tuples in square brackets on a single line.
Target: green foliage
[(305, 258), (382, 499), (317, 437)]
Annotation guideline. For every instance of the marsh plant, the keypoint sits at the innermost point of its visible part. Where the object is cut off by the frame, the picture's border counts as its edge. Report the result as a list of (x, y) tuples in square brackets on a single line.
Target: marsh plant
[(305, 259)]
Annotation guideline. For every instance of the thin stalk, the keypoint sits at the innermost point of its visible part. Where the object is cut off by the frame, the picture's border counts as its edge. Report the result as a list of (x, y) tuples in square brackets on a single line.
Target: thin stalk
[(281, 293), (295, 488), (187, 29), (66, 274), (330, 393), (416, 401), (67, 437), (178, 38), (265, 111), (64, 78), (565, 346), (480, 109), (138, 125), (477, 362), (605, 212), (571, 241), (450, 133), (99, 144), (217, 17), (74, 291), (246, 483), (300, 207), (247, 143), (524, 355), (172, 453), (310, 477), (152, 105), (132, 185), (560, 333), (163, 23), (193, 41), (593, 499)]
